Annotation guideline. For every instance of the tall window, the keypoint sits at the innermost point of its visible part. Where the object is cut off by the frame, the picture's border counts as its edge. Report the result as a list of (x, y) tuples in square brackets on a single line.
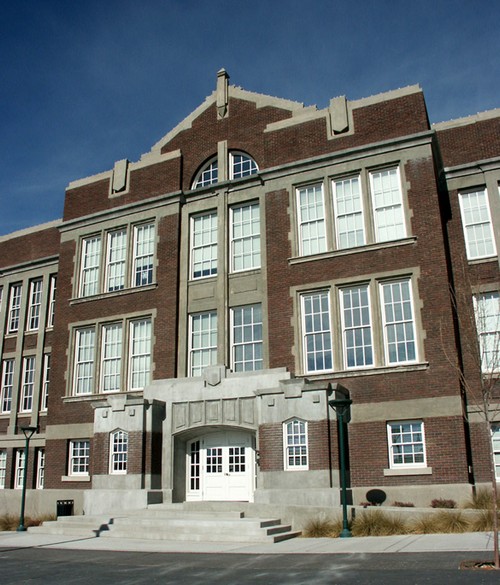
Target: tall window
[(203, 350), (3, 467), (406, 444), (476, 220), (495, 437), (84, 361), (28, 384), (111, 357), (79, 452), (245, 237), (45, 382), (487, 312), (40, 469), (311, 220), (247, 338), (35, 302), (7, 384), (140, 353), (144, 245), (399, 328), (19, 469), (387, 205), (317, 339), (116, 260), (356, 327), (118, 452), (52, 302), (204, 245), (295, 444), (91, 257), (348, 208), (14, 308)]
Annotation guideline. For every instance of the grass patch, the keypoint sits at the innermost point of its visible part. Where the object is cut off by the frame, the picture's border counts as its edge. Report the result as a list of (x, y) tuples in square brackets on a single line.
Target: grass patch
[(482, 499), (10, 522), (322, 528), (378, 523)]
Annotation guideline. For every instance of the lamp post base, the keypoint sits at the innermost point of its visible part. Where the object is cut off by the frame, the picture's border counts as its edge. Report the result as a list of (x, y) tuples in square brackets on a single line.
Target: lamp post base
[(346, 533), (21, 528)]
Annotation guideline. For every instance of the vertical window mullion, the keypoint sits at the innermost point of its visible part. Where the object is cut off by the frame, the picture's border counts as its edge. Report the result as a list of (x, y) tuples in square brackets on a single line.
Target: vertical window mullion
[(356, 326), (316, 328), (203, 342), (387, 201), (398, 321), (90, 266), (349, 216), (311, 215)]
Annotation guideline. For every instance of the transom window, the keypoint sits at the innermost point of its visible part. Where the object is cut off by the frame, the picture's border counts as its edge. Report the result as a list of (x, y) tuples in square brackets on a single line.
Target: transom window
[(240, 165), (128, 261), (295, 444), (477, 226), (118, 452), (406, 444)]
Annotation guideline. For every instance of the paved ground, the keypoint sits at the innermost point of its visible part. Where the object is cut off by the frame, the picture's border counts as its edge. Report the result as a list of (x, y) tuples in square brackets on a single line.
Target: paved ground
[(472, 541)]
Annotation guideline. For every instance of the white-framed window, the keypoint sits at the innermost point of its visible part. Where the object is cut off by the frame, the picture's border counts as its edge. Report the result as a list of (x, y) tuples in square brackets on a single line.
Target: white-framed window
[(477, 226), (356, 326), (316, 331), (204, 245), (52, 302), (118, 452), (295, 444), (241, 165), (208, 175), (203, 342), (144, 246), (3, 467), (140, 353), (245, 237), (40, 469), (246, 339), (111, 357), (35, 303), (45, 383), (116, 260), (83, 381), (79, 457), (398, 322), (311, 216), (348, 210), (487, 314), (19, 469), (387, 201), (14, 308), (7, 385), (107, 345), (28, 384), (406, 444), (90, 266), (495, 437)]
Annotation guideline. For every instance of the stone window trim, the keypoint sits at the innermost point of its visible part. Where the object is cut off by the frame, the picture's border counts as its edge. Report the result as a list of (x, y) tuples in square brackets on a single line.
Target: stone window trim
[(78, 459), (335, 343), (117, 259), (118, 452)]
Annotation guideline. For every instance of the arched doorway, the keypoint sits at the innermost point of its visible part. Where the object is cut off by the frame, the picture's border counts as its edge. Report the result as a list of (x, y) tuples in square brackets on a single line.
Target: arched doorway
[(220, 466)]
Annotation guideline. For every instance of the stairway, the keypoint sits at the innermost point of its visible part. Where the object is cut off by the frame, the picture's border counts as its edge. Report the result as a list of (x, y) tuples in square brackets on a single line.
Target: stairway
[(173, 522)]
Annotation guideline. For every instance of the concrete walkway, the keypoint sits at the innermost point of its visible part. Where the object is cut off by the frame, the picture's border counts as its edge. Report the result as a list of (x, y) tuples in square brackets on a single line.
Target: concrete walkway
[(471, 541)]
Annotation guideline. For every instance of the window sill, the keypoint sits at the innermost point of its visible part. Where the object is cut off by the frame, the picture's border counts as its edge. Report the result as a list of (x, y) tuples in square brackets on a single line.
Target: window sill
[(356, 250), (99, 397), (408, 471), (415, 367), (113, 294), (70, 478), (482, 260)]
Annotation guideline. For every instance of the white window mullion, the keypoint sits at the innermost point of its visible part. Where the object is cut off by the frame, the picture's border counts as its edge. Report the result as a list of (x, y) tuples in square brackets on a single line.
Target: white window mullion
[(316, 331), (79, 454), (203, 342), (406, 444), (356, 326), (311, 215), (295, 445), (349, 217), (119, 452), (387, 199), (90, 266), (398, 321)]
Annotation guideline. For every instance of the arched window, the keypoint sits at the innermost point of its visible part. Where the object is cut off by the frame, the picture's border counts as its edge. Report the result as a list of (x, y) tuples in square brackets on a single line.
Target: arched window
[(295, 444), (118, 452), (239, 164)]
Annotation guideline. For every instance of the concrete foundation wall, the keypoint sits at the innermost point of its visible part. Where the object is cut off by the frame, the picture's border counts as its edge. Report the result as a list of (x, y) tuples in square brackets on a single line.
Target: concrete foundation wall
[(39, 502)]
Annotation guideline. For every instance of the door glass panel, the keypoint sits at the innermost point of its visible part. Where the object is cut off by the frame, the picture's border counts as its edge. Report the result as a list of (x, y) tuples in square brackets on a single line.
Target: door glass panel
[(214, 459), (194, 466), (236, 459)]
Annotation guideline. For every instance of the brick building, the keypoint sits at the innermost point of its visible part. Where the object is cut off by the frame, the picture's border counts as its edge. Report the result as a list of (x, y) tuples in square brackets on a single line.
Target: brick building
[(213, 295)]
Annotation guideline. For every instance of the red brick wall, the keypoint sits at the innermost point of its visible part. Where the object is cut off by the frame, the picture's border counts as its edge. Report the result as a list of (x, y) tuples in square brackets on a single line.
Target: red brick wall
[(30, 247)]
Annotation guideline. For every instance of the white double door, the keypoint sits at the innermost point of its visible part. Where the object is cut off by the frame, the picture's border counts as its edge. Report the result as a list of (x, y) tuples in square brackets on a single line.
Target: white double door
[(221, 466)]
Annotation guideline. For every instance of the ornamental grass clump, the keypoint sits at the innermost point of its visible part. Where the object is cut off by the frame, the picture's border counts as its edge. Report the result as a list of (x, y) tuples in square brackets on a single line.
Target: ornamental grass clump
[(10, 522), (482, 499), (322, 527), (444, 522), (378, 523)]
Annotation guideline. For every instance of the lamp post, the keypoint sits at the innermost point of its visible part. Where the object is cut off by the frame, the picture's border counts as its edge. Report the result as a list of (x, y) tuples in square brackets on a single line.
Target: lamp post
[(341, 403), (28, 432)]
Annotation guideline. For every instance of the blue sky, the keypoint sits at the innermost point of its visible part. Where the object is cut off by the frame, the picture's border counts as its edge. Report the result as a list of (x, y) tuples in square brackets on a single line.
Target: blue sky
[(84, 84)]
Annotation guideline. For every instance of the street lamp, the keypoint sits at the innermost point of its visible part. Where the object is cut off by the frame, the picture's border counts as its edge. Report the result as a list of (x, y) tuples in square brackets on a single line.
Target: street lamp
[(341, 404), (28, 432)]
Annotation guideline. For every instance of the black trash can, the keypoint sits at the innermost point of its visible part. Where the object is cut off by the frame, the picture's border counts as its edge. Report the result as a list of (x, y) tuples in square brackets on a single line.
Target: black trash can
[(65, 507)]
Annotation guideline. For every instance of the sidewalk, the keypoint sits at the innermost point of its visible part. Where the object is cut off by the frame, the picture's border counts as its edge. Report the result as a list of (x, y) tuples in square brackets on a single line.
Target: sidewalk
[(471, 541)]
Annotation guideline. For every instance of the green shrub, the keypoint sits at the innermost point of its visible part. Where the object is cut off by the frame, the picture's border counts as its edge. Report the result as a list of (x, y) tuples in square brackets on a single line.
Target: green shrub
[(443, 503)]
